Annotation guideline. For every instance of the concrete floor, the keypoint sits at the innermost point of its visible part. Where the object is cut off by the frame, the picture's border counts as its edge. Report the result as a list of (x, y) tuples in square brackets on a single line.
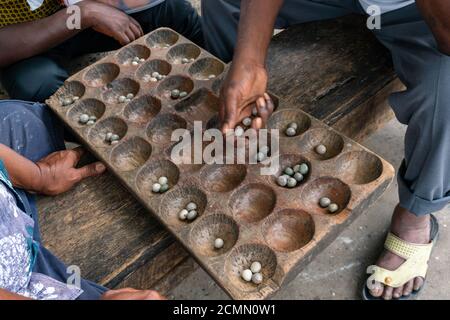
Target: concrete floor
[(339, 271)]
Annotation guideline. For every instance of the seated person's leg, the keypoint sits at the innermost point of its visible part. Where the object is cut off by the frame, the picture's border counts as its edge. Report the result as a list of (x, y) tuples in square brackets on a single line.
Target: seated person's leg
[(33, 79), (178, 15), (221, 18), (33, 131)]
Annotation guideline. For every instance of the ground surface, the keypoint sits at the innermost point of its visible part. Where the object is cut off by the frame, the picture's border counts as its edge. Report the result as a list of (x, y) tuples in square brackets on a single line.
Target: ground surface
[(338, 272)]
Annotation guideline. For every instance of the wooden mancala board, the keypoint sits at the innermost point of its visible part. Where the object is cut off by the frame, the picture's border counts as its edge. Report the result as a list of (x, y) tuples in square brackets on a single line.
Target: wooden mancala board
[(258, 220)]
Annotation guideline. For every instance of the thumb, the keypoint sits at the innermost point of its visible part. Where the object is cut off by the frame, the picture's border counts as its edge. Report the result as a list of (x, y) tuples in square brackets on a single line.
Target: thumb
[(91, 170)]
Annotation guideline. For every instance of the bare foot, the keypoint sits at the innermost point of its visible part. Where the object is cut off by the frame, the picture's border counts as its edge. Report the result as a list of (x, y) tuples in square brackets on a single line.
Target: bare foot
[(411, 228)]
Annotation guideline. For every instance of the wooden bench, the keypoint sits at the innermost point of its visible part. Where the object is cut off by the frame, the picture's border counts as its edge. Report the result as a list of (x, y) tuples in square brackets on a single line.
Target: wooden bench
[(335, 70)]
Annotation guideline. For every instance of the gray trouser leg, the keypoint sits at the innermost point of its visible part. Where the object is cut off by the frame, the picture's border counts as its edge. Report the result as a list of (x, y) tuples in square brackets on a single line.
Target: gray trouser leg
[(221, 18), (424, 177)]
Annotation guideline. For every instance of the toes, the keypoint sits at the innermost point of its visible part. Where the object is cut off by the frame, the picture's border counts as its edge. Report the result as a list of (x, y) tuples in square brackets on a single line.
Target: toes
[(408, 287), (397, 292), (418, 283), (376, 289), (387, 294)]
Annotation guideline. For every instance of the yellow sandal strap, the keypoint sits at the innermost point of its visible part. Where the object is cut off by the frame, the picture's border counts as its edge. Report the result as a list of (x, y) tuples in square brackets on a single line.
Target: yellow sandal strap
[(416, 264)]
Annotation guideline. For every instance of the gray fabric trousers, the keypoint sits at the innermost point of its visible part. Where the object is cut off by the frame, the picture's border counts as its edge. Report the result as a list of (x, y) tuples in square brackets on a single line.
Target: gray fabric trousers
[(424, 176)]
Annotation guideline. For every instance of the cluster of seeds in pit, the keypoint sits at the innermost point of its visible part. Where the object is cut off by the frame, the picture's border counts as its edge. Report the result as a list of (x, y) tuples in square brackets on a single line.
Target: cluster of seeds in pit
[(262, 154), (136, 61), (219, 243), (69, 99), (293, 176), (161, 186), (178, 94), (321, 149), (126, 99), (162, 46), (253, 274), (189, 212), (325, 202), (112, 138), (154, 77), (87, 119), (291, 129), (187, 60)]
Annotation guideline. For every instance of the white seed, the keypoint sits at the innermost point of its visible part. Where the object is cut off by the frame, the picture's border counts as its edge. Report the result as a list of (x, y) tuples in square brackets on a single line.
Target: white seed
[(108, 136), (247, 275), (183, 94), (164, 188), (192, 215), (290, 132), (93, 118), (191, 206), (289, 171), (163, 180), (135, 63), (156, 187), (260, 157), (304, 169), (122, 99), (321, 149), (114, 142), (256, 267), (67, 101), (76, 98), (324, 202), (191, 59), (282, 181), (136, 59), (238, 131), (247, 122), (257, 278), (297, 168), (130, 96), (90, 123), (84, 118), (293, 125), (127, 100), (160, 77), (218, 243), (264, 149), (333, 207), (291, 183), (175, 94), (142, 60), (212, 76), (115, 137), (153, 79), (155, 74), (185, 60), (298, 177), (182, 215)]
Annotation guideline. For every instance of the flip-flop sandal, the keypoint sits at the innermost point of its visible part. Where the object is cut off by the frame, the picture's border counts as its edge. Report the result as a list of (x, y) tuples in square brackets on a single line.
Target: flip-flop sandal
[(416, 263)]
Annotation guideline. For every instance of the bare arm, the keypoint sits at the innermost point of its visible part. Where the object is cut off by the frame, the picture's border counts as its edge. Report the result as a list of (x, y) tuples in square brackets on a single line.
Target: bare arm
[(38, 36), (246, 82), (437, 14), (6, 295)]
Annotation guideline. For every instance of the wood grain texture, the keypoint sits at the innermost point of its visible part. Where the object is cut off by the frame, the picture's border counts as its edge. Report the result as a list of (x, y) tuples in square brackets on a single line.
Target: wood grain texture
[(335, 71)]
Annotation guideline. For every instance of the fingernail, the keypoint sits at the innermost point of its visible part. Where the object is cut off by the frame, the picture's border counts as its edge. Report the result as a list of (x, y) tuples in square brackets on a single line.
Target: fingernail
[(100, 167), (267, 96), (262, 102)]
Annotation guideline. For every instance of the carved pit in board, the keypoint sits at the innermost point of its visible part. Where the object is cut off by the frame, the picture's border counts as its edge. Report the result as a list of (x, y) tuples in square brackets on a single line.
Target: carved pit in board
[(97, 134), (161, 38), (333, 142), (242, 257), (202, 100), (177, 200), (120, 87), (183, 51), (70, 89), (359, 167), (288, 230), (141, 110), (334, 189), (91, 107), (180, 83), (223, 177), (144, 73), (281, 119), (162, 126), (131, 154), (208, 229), (205, 68), (101, 74), (126, 55), (253, 202), (152, 171)]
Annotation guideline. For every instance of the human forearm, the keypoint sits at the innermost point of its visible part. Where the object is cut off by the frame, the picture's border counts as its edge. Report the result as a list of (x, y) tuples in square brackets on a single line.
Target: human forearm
[(35, 37), (255, 29), (23, 173), (437, 14)]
